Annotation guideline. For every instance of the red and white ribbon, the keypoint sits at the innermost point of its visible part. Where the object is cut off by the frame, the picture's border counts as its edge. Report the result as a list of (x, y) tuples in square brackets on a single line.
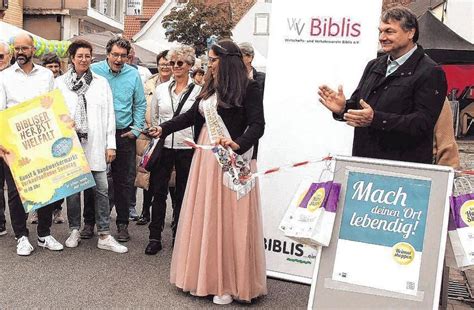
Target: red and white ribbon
[(291, 166), (191, 143)]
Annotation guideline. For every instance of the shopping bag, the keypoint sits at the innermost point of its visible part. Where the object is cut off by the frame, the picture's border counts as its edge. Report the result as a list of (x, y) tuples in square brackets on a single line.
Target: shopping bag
[(461, 229), (149, 154), (311, 213)]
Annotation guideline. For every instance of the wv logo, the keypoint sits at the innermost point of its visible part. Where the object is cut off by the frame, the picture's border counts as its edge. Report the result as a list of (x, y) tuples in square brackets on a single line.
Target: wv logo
[(295, 25)]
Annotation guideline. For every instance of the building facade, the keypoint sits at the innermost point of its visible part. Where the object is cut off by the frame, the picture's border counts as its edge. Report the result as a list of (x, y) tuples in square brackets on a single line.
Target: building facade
[(14, 14), (137, 18), (64, 19)]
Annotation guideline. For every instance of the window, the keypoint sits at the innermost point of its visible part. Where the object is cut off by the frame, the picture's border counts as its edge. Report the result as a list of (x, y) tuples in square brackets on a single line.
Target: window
[(118, 16), (262, 24), (95, 4)]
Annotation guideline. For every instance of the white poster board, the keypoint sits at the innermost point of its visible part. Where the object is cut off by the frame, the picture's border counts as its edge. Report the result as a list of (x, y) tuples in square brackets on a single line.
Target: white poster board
[(388, 243), (134, 7), (312, 42)]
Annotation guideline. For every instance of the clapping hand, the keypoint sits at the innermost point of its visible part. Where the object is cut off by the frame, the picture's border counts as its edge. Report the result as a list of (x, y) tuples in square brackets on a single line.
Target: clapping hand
[(334, 101), (360, 118)]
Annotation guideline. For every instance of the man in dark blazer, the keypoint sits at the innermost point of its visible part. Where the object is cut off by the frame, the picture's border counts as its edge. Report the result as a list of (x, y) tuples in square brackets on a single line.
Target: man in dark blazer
[(399, 97)]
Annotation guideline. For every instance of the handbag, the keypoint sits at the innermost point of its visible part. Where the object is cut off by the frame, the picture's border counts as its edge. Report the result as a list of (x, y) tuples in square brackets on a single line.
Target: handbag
[(155, 156)]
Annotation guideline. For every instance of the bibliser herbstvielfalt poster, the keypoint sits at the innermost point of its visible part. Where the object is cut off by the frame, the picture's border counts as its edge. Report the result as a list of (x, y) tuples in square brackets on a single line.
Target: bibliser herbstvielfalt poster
[(45, 156)]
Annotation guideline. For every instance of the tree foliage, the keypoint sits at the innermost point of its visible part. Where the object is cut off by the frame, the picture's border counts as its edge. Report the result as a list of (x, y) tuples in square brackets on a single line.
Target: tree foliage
[(194, 23), (391, 3)]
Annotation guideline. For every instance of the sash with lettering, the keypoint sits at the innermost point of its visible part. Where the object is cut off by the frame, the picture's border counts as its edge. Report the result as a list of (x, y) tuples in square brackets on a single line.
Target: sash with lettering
[(236, 167)]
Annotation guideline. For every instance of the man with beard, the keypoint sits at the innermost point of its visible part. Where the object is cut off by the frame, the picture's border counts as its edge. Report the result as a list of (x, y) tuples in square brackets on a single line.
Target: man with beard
[(399, 97), (129, 106), (23, 81), (5, 58)]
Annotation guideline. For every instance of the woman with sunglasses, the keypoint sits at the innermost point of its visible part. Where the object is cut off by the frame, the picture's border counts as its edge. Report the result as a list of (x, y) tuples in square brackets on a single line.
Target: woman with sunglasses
[(172, 98), (219, 244)]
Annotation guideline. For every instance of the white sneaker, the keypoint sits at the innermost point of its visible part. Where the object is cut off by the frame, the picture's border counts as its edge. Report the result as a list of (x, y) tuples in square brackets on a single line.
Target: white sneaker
[(74, 239), (24, 247), (222, 300), (50, 243), (110, 244)]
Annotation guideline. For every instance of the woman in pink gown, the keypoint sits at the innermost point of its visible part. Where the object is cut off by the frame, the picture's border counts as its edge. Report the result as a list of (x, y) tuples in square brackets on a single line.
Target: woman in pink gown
[(219, 243)]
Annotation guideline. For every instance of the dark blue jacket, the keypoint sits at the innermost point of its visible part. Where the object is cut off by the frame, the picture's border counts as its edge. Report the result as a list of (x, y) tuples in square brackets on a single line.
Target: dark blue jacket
[(406, 106)]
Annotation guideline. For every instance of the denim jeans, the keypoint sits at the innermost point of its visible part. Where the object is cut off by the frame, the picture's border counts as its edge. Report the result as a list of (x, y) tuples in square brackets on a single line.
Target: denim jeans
[(18, 214), (2, 195), (101, 205), (88, 213)]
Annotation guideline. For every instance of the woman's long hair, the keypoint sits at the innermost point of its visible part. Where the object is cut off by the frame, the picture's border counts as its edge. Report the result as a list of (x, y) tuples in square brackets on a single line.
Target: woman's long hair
[(230, 82)]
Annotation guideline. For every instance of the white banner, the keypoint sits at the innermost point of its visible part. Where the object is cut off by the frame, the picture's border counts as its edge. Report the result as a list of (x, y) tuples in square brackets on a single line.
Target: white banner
[(312, 42), (134, 7)]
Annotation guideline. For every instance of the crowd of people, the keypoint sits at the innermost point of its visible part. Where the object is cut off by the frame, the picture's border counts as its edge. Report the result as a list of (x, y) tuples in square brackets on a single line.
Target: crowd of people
[(117, 107), (120, 111)]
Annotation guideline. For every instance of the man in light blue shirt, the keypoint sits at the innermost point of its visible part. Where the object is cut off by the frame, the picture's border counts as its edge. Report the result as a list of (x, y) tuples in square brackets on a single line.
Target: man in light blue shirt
[(130, 107)]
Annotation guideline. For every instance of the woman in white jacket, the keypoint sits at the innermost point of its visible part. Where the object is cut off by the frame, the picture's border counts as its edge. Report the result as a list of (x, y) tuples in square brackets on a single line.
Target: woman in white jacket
[(90, 102)]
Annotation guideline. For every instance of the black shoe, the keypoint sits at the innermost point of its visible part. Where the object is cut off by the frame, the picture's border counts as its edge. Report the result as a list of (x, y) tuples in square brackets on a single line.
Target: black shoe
[(143, 220), (123, 235), (153, 247), (3, 230), (87, 231)]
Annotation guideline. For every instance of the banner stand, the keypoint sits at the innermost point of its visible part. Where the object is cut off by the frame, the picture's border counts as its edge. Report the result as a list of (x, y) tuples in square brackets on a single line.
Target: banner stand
[(328, 37)]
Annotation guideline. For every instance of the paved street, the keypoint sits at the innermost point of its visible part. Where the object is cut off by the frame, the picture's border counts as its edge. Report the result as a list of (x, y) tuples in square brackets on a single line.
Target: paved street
[(86, 277)]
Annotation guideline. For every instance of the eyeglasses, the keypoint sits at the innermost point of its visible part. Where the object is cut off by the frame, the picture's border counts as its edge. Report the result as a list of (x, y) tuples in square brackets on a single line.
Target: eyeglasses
[(117, 55), (212, 59), (165, 65), (178, 63), (22, 48)]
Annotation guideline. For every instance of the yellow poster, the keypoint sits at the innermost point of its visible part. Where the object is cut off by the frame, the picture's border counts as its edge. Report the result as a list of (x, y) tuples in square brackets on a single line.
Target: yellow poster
[(45, 156)]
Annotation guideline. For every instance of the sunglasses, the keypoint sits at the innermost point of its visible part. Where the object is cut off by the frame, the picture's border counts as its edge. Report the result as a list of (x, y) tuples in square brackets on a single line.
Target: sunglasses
[(178, 63)]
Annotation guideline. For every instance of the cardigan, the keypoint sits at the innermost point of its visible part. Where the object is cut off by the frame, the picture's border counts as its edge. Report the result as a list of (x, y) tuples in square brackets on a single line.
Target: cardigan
[(100, 118)]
